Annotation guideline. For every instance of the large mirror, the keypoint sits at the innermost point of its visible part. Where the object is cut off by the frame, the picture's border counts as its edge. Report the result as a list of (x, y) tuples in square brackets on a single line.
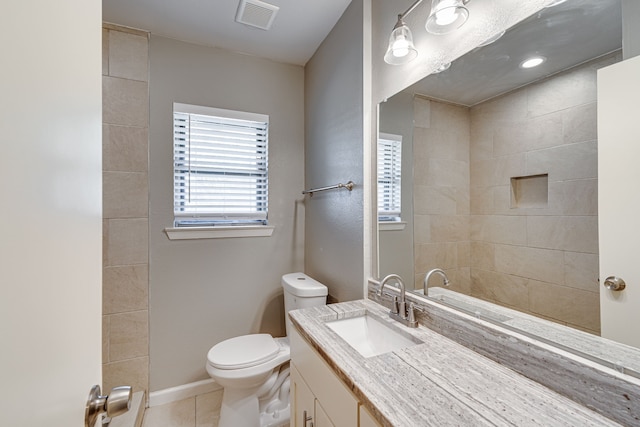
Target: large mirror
[(498, 166)]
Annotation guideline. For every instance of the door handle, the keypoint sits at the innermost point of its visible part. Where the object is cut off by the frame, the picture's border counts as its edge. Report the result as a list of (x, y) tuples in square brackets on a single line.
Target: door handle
[(306, 418), (115, 403), (614, 283)]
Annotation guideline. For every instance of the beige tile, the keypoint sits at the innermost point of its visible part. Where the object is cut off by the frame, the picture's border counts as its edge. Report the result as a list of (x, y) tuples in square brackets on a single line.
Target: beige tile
[(443, 173), (125, 195), (129, 335), (581, 271), (128, 56), (434, 200), (531, 263), (127, 242), (510, 230), (578, 197), (421, 229), (482, 200), (435, 255), (125, 102), (512, 106), (459, 278), (208, 409), (580, 123), (449, 117), (421, 112), (566, 90), (501, 288), (176, 414), (463, 201), (570, 233), (105, 338), (481, 138), (440, 144), (125, 148), (567, 162), (483, 256), (464, 254), (568, 305), (125, 288), (105, 52), (449, 228), (498, 171), (133, 372), (532, 134)]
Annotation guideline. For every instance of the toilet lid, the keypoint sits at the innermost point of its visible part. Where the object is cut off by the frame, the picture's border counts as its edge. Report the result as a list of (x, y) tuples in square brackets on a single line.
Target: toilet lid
[(243, 352)]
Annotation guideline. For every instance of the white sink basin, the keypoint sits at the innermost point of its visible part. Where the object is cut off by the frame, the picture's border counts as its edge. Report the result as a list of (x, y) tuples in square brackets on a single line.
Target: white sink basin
[(369, 336)]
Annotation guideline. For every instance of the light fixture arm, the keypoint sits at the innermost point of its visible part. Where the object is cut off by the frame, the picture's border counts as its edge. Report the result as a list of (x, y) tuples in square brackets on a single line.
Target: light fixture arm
[(411, 8)]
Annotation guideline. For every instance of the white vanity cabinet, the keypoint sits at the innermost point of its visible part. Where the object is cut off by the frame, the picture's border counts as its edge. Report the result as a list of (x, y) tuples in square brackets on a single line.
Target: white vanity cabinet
[(317, 392)]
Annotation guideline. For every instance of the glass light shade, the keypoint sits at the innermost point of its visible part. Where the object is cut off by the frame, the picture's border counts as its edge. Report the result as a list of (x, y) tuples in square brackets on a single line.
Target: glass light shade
[(443, 67), (401, 49), (446, 16), (492, 39)]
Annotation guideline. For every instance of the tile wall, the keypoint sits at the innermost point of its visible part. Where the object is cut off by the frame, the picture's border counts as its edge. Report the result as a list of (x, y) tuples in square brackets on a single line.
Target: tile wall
[(125, 208), (441, 204), (539, 257)]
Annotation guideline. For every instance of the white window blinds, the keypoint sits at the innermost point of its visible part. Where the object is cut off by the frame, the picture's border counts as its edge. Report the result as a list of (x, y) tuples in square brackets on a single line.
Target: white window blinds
[(220, 166), (389, 177)]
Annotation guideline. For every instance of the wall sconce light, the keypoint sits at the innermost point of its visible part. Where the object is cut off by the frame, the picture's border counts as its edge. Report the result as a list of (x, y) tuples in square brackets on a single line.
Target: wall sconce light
[(445, 16), (401, 49)]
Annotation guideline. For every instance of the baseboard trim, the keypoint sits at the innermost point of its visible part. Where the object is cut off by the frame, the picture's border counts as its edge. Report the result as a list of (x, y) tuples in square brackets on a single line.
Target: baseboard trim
[(174, 394)]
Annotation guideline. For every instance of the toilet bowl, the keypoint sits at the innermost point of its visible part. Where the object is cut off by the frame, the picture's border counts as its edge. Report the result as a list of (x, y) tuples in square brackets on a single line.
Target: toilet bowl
[(254, 369)]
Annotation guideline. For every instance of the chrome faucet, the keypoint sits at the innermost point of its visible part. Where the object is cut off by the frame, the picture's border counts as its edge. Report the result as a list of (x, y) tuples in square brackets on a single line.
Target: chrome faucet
[(445, 279), (399, 309)]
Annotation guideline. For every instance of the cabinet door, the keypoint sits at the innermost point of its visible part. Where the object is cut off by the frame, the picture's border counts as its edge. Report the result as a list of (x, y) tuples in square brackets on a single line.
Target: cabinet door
[(366, 419), (303, 401), (321, 417)]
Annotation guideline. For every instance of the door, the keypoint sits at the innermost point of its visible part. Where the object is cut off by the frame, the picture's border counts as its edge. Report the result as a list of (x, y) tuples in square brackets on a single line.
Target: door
[(619, 198), (50, 249)]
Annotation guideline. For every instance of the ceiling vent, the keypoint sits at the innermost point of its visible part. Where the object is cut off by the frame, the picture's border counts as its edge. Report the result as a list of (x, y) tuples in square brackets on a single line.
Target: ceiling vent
[(256, 13)]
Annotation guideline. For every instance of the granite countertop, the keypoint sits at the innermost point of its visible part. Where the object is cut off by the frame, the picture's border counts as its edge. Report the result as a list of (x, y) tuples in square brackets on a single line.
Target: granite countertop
[(438, 382)]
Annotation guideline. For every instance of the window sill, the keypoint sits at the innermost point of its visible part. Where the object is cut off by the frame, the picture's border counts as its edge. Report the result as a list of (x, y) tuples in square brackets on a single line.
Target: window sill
[(190, 233), (391, 225)]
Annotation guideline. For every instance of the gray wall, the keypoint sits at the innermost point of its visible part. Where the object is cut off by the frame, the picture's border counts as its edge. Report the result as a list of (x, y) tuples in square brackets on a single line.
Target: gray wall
[(204, 291), (334, 118)]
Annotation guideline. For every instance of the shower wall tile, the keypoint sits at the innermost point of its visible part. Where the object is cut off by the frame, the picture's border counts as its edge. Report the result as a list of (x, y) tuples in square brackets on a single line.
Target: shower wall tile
[(421, 113), (510, 230), (569, 89), (430, 200), (568, 233), (578, 197), (511, 291), (129, 335), (574, 161), (481, 200), (125, 148), (127, 242), (581, 271), (573, 306), (449, 228), (125, 195), (133, 372), (421, 229), (513, 137), (125, 102), (128, 56), (125, 288), (445, 173), (539, 264), (125, 208), (435, 255), (580, 124), (512, 106), (483, 255)]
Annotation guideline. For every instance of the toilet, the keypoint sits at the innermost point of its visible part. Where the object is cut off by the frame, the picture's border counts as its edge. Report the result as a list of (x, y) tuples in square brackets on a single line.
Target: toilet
[(254, 369)]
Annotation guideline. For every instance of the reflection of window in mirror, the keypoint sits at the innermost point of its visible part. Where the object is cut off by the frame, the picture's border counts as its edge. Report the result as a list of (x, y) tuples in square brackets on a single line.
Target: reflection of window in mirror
[(389, 177)]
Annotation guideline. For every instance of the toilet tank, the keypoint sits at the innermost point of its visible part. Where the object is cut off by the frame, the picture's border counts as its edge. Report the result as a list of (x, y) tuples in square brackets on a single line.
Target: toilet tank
[(301, 291)]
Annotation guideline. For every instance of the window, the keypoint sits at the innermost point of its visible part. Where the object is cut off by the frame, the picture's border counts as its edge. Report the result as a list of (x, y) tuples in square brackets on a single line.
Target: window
[(220, 167), (389, 177)]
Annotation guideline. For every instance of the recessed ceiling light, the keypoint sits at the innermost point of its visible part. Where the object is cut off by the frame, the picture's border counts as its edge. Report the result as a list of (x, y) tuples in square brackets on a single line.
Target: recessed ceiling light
[(534, 61)]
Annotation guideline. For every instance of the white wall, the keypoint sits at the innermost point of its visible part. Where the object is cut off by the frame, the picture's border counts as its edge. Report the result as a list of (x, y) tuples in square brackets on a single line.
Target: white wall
[(334, 129), (204, 291), (50, 251)]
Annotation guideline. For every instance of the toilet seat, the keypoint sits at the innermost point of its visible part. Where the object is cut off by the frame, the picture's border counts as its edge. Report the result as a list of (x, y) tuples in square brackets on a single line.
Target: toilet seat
[(243, 352)]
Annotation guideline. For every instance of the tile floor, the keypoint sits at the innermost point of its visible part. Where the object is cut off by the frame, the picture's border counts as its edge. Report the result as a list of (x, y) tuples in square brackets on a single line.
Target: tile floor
[(199, 411)]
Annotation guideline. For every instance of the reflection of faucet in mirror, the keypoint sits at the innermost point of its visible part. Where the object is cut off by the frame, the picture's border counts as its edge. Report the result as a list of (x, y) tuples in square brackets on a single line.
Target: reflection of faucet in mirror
[(445, 279), (399, 311)]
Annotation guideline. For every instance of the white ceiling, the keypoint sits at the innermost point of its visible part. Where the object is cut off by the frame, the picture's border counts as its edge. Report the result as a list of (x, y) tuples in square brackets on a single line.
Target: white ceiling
[(297, 31)]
